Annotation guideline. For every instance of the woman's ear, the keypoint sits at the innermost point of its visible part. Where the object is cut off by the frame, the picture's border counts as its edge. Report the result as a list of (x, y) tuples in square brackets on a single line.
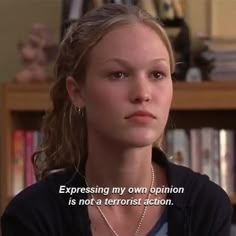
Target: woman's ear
[(75, 92)]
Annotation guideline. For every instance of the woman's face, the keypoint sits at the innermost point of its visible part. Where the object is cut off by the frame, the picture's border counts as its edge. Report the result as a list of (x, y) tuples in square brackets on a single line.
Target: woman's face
[(128, 72)]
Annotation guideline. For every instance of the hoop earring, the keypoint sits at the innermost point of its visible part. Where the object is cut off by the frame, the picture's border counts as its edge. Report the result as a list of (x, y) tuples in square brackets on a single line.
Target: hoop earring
[(80, 111)]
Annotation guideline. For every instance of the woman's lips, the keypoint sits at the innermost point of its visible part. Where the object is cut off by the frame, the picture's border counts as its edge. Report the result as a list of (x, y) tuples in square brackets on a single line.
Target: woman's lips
[(141, 117), (144, 119)]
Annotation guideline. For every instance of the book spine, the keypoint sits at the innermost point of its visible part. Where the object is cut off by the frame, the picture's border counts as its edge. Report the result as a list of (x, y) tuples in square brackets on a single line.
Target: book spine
[(169, 143), (35, 147), (18, 161), (206, 151), (180, 147), (76, 10), (226, 143), (195, 150), (118, 1), (28, 163), (216, 157), (129, 2)]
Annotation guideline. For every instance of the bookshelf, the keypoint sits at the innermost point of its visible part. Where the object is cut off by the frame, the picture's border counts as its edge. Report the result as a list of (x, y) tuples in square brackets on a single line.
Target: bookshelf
[(194, 105), (22, 107)]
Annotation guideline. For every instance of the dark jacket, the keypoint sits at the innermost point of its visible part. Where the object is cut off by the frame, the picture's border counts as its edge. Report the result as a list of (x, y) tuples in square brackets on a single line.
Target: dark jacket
[(204, 209)]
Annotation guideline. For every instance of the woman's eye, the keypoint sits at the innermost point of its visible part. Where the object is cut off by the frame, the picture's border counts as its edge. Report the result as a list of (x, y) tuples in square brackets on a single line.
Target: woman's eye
[(117, 75), (158, 75)]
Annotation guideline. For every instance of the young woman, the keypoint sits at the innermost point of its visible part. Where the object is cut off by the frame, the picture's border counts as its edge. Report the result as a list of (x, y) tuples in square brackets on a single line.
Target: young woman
[(111, 101)]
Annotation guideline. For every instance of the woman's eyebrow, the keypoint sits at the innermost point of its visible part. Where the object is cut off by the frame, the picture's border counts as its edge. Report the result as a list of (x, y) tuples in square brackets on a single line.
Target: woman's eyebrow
[(125, 62)]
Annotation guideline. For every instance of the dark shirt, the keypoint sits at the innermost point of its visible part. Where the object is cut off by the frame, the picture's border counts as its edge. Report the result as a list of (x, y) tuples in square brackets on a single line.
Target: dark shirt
[(204, 209), (161, 227)]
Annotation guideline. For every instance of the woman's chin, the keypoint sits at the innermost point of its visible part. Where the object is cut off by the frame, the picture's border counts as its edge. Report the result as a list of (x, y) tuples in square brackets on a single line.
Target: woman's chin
[(140, 140)]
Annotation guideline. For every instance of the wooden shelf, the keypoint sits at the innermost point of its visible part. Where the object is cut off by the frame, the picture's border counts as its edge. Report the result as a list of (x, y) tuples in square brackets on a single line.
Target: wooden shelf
[(22, 106), (187, 96), (204, 96), (26, 97)]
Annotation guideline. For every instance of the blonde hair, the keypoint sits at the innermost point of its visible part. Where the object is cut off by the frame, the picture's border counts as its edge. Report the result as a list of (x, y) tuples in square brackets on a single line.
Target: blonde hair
[(64, 143)]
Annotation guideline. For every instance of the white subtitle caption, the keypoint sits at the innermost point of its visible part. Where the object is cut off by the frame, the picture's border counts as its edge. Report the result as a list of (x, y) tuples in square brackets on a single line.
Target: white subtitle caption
[(116, 193)]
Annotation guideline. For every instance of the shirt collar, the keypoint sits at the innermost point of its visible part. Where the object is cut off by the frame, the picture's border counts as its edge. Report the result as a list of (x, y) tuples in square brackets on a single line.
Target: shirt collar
[(177, 176)]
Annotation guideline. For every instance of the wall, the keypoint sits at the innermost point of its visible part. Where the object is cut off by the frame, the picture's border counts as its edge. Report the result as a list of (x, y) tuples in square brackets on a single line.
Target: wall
[(16, 18), (197, 16)]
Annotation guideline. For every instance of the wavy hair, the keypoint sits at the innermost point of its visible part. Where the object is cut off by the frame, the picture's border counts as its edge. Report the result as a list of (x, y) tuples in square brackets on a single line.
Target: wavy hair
[(64, 143)]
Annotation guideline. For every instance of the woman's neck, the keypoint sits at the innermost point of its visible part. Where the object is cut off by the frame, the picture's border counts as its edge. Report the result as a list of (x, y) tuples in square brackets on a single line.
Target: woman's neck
[(112, 166)]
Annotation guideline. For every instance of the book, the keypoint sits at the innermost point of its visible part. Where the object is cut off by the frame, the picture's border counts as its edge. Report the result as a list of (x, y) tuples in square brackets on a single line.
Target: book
[(226, 66), (195, 150), (206, 151), (129, 2), (220, 56), (220, 45), (76, 10), (215, 152), (29, 145), (227, 156), (118, 1), (36, 142), (18, 143), (178, 145), (222, 76)]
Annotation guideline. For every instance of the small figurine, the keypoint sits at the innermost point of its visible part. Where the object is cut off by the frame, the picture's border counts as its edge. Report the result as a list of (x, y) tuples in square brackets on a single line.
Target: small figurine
[(36, 53), (194, 74), (202, 57)]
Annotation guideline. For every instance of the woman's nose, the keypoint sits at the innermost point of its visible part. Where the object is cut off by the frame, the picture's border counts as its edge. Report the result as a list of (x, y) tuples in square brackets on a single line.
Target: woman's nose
[(140, 90)]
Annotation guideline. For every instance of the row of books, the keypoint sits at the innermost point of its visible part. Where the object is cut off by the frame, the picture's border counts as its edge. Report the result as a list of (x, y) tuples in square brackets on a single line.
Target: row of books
[(208, 151), (24, 143), (223, 54)]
